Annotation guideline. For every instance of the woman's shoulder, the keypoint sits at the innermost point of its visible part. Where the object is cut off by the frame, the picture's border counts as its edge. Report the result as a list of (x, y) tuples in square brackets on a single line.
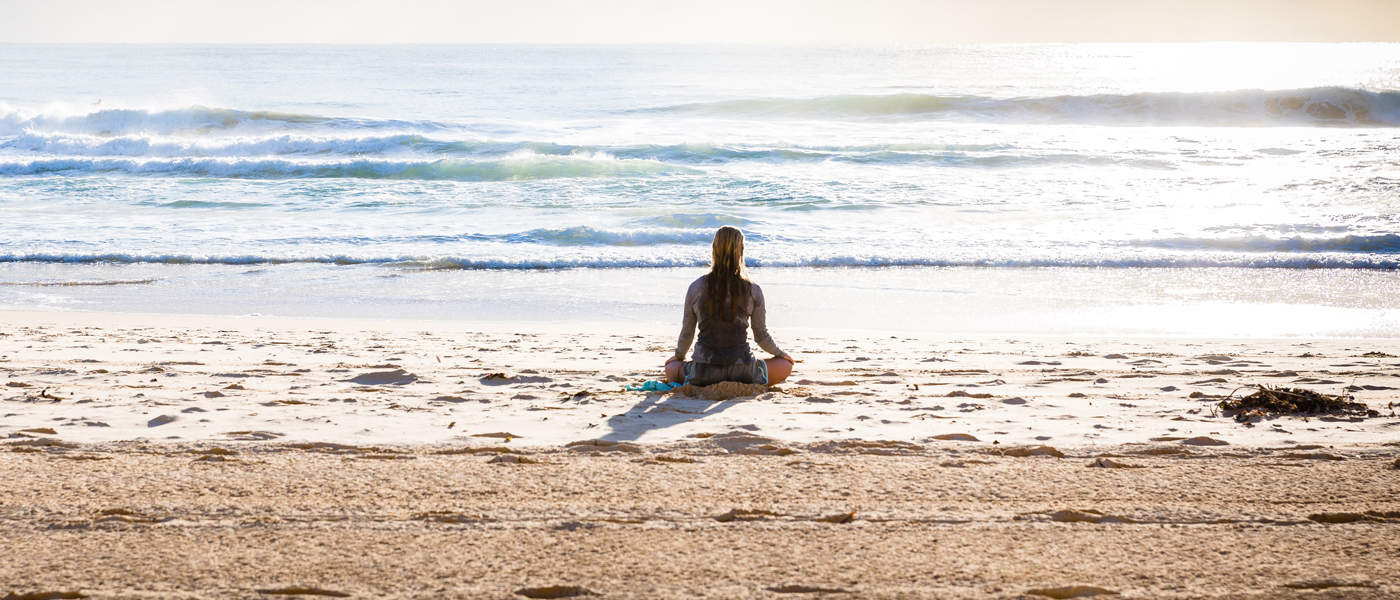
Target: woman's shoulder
[(697, 286)]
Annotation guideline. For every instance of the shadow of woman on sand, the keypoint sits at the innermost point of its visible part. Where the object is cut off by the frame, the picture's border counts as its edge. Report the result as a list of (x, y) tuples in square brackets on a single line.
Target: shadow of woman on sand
[(659, 411)]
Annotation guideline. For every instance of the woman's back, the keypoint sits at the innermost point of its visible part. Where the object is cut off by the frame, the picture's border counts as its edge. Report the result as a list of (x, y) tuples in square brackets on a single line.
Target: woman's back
[(723, 304), (724, 339)]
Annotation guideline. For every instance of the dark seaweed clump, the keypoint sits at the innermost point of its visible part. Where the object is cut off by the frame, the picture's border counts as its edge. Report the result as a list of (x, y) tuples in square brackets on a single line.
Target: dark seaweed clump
[(1269, 401)]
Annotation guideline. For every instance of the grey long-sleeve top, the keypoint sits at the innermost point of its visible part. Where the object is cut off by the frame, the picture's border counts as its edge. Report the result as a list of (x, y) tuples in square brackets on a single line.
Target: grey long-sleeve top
[(757, 317)]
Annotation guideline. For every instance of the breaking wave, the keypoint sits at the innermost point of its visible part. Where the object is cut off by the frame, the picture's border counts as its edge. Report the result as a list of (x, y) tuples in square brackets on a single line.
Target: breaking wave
[(1378, 244), (185, 120), (1322, 106), (520, 166)]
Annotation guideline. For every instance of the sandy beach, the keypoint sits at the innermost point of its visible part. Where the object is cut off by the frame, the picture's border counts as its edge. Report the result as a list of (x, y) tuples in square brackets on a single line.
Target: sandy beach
[(189, 457)]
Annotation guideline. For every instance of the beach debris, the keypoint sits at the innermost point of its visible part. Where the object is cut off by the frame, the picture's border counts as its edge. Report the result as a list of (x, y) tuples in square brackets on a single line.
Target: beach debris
[(1268, 400), (555, 591), (303, 591), (1071, 591), (1105, 463), (394, 377), (805, 589)]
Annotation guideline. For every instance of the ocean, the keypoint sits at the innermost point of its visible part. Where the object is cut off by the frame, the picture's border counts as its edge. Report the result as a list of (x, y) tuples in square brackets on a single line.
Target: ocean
[(1099, 189)]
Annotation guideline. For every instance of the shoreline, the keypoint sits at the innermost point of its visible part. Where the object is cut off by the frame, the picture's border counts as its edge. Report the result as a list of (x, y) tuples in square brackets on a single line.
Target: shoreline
[(926, 301)]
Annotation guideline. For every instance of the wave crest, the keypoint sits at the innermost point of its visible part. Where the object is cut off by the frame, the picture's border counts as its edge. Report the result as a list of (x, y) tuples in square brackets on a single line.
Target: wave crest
[(517, 167), (1323, 106), (1375, 244), (190, 119)]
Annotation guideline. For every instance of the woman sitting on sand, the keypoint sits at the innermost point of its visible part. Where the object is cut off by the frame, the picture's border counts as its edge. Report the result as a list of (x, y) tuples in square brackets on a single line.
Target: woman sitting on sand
[(724, 303)]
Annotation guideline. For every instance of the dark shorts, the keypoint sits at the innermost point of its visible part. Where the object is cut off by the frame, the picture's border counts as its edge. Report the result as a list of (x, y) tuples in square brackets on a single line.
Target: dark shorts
[(755, 371)]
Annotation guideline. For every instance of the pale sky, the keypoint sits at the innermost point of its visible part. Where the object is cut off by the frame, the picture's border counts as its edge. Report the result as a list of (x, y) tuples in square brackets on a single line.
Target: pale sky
[(709, 21)]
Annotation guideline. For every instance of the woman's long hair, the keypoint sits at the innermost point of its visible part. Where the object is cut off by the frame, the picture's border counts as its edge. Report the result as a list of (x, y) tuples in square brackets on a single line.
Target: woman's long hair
[(727, 289)]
